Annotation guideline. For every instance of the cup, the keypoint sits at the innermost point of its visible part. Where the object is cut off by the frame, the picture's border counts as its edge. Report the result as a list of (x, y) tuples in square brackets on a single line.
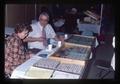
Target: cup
[(66, 36), (59, 43), (50, 47)]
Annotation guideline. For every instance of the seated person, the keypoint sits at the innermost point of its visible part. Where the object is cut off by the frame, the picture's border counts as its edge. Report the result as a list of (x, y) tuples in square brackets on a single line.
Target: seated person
[(37, 39), (14, 49)]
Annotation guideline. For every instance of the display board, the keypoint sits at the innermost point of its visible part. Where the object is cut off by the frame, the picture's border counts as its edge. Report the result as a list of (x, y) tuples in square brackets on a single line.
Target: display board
[(82, 40), (73, 51)]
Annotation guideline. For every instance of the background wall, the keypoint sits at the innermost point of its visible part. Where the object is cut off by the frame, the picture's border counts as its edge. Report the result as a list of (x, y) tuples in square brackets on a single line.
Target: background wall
[(14, 14), (25, 13), (19, 13)]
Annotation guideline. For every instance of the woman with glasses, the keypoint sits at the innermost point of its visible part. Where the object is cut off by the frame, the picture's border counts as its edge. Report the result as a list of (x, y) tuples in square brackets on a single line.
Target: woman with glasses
[(14, 48)]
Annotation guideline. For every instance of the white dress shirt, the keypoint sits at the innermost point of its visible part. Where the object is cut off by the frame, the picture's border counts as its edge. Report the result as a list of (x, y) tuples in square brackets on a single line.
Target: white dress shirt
[(37, 32)]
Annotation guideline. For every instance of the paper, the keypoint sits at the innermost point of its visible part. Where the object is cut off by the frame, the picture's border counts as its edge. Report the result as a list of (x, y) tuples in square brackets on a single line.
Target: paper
[(46, 63), (64, 75), (38, 73)]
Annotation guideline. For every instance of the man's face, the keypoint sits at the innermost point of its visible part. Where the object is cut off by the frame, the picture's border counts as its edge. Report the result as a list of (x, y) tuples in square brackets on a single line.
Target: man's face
[(43, 20), (23, 34)]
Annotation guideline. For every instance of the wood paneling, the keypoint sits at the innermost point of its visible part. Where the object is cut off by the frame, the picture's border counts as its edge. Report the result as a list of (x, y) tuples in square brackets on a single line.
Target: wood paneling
[(29, 12), (19, 13), (15, 14), (22, 13)]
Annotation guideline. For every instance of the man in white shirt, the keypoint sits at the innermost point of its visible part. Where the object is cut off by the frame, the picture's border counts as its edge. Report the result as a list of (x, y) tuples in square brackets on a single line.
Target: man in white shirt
[(41, 32)]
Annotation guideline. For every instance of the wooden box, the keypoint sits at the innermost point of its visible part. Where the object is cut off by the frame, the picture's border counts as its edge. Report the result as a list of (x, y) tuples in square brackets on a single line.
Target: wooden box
[(58, 57), (81, 40)]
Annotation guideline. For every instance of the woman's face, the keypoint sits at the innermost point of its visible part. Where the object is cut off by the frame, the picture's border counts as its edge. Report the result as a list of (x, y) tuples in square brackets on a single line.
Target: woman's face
[(23, 34)]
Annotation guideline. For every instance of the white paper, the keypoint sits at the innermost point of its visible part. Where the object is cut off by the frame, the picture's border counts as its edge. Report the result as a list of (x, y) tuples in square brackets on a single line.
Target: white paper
[(64, 75)]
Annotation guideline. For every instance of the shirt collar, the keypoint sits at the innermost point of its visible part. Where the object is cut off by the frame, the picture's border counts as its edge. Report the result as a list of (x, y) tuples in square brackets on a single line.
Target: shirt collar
[(16, 36), (41, 27)]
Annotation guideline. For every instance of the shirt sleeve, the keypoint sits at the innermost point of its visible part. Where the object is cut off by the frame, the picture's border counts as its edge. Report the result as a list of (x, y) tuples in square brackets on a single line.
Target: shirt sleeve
[(14, 55), (50, 33), (18, 52), (31, 33)]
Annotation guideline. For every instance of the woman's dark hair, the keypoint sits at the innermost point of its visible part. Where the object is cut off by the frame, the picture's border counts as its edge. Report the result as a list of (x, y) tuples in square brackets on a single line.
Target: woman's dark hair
[(22, 27)]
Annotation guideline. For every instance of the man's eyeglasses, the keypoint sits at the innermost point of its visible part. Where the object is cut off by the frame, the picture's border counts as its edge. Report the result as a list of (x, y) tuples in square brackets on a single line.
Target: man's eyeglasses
[(45, 20)]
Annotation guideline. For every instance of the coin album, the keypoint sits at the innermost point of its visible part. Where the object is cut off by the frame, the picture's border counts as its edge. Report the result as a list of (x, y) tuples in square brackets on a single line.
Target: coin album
[(70, 68), (46, 63)]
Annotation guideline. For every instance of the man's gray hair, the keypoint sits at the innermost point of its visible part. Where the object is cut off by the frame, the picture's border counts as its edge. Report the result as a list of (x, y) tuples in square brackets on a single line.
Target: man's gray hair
[(44, 14)]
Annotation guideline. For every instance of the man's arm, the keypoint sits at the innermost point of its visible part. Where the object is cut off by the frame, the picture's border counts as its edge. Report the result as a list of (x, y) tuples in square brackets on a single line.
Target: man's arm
[(56, 38), (33, 39)]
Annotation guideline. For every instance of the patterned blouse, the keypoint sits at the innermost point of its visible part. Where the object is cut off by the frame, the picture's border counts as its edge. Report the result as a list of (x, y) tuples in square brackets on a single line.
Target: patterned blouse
[(14, 53)]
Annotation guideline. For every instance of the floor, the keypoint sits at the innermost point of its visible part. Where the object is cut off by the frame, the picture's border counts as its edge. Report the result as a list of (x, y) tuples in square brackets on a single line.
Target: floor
[(103, 52)]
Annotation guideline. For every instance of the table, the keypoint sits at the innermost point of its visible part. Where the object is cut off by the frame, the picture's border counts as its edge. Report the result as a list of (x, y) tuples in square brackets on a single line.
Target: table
[(69, 35), (19, 72), (89, 27)]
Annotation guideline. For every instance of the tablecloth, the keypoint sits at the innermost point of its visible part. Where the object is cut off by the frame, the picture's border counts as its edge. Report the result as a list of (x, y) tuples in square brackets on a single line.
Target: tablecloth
[(89, 27)]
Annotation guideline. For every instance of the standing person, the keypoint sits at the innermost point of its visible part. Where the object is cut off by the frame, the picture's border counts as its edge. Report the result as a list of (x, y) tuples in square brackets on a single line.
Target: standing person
[(71, 21), (14, 49), (37, 39)]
